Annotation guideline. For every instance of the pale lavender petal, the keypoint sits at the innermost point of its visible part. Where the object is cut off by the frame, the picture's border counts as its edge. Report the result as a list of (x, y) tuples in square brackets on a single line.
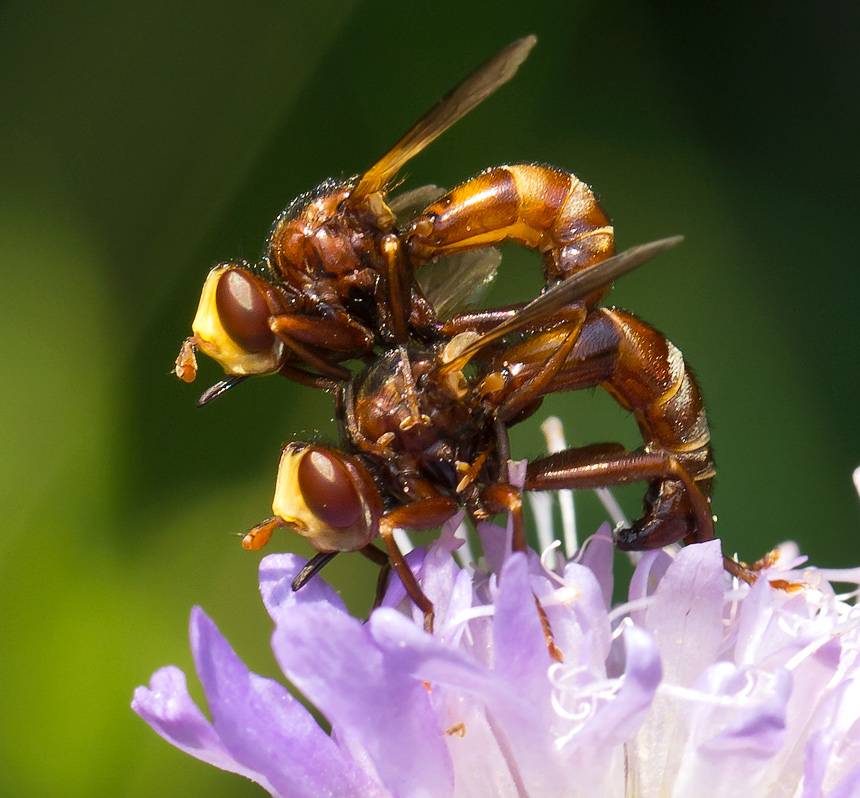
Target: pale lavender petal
[(598, 555), (607, 714), (810, 677), (440, 573), (451, 624), (833, 751), (380, 715), (276, 574), (755, 620), (650, 569), (482, 763), (268, 730), (168, 708), (517, 471), (521, 654), (731, 745), (480, 757), (842, 719), (522, 661), (818, 751), (580, 615), (527, 737), (620, 719), (686, 617), (849, 787), (496, 543), (395, 593), (410, 650)]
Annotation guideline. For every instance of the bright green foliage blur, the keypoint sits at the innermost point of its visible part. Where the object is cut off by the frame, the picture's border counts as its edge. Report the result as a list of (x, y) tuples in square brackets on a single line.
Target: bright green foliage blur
[(141, 145)]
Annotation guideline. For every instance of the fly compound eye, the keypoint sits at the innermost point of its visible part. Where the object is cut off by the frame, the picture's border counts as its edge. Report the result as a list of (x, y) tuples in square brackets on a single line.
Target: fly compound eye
[(232, 322), (243, 311), (329, 489), (327, 497)]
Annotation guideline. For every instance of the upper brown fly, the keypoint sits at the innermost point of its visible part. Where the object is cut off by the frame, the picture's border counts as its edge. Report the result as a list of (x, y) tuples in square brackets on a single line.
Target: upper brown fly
[(341, 274)]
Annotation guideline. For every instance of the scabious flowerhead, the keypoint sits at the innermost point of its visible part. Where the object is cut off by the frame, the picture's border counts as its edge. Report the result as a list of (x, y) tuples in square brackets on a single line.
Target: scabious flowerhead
[(697, 686)]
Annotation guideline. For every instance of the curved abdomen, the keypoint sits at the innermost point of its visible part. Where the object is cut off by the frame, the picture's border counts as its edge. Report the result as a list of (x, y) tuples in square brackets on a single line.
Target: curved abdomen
[(542, 208)]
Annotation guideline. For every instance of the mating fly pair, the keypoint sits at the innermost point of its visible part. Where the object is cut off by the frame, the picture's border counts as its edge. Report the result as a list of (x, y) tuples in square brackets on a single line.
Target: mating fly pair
[(424, 420)]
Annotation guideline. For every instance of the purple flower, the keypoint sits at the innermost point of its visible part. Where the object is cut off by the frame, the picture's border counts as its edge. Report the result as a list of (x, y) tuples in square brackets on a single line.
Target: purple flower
[(696, 686)]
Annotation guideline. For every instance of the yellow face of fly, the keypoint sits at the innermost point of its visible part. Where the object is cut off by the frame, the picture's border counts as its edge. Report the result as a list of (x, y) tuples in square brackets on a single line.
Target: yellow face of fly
[(325, 498), (211, 337)]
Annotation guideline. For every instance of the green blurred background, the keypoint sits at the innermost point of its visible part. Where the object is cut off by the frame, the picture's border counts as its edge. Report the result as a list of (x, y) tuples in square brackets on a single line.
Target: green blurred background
[(141, 144)]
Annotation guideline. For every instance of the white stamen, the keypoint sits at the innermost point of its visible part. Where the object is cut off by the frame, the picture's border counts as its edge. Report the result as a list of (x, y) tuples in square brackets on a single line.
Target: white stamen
[(403, 541), (577, 702), (465, 616), (464, 555), (546, 558), (555, 442), (758, 687), (541, 504), (625, 609)]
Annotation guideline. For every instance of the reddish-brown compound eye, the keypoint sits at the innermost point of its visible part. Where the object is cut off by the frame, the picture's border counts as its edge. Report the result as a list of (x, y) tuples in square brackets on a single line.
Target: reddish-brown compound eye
[(328, 489), (243, 311)]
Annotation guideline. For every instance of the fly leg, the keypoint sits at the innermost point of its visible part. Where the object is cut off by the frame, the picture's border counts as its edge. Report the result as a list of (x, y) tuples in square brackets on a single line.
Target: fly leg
[(675, 507), (420, 515), (384, 562), (283, 327)]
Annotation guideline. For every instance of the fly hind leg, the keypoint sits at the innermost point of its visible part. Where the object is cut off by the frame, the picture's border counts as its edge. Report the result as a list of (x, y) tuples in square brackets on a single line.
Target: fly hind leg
[(675, 507)]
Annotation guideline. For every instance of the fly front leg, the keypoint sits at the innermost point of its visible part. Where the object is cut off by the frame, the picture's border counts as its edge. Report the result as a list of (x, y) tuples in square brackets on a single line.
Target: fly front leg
[(393, 293), (287, 327), (381, 559), (423, 514), (340, 334), (540, 207)]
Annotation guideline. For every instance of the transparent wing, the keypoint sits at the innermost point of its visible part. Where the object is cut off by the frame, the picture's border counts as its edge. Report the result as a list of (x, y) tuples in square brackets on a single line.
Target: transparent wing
[(459, 282), (409, 205), (452, 107), (451, 284)]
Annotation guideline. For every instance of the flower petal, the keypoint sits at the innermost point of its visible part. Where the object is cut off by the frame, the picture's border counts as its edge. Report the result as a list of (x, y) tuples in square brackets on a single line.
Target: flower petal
[(265, 728), (849, 787), (686, 617), (650, 569), (522, 732), (276, 574), (732, 741), (686, 621), (582, 617), (603, 714), (168, 708), (599, 555), (833, 752), (818, 751), (378, 714)]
